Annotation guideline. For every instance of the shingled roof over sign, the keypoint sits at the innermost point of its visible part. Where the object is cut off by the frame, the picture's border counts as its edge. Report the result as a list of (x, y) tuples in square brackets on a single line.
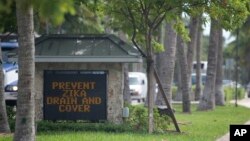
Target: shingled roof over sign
[(84, 48)]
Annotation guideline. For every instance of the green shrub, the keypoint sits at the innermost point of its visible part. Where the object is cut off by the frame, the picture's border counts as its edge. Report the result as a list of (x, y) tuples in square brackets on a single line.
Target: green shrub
[(11, 112), (174, 92), (138, 119), (229, 93), (48, 126), (161, 122), (137, 122)]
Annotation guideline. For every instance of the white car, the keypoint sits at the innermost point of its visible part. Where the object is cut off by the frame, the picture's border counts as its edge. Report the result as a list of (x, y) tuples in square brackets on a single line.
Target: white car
[(10, 70), (203, 78), (230, 83), (138, 86), (10, 91)]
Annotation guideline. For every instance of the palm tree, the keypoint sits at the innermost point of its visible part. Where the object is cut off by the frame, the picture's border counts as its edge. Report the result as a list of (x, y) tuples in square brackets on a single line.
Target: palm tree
[(194, 23), (198, 60), (219, 92), (207, 101), (243, 50), (25, 116), (166, 62), (178, 96), (184, 76)]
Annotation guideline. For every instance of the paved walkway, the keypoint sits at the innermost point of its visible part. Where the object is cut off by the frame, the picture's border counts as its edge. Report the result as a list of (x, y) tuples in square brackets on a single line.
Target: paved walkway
[(244, 102)]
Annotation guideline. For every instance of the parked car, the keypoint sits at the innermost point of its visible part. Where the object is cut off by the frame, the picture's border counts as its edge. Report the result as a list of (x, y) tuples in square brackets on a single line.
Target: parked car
[(227, 82), (10, 70), (11, 91), (230, 83), (138, 86), (203, 78)]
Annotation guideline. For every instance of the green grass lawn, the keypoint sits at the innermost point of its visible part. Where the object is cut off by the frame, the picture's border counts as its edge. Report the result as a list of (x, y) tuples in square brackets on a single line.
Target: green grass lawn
[(198, 126)]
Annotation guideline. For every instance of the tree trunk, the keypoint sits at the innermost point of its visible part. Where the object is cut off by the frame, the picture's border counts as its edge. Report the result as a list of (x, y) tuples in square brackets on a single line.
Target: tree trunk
[(198, 91), (25, 116), (184, 76), (192, 44), (150, 76), (207, 101), (166, 63), (126, 91), (219, 92), (190, 50), (178, 96), (4, 125)]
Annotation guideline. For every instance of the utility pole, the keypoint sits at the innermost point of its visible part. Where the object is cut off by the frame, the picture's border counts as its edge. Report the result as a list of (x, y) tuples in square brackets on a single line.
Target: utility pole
[(236, 68)]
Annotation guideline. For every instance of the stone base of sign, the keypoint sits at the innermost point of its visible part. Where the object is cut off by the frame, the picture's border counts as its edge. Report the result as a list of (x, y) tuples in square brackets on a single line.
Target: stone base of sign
[(115, 85)]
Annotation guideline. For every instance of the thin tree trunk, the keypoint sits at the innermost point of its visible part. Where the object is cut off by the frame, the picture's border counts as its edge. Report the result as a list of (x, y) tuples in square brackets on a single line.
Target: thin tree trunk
[(25, 116), (198, 60), (192, 44), (178, 96), (4, 125), (166, 63), (184, 76), (150, 75), (207, 101), (219, 92), (126, 91), (190, 50)]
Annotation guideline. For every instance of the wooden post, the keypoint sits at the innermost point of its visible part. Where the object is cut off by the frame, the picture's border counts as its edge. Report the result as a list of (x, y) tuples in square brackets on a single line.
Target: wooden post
[(162, 91), (166, 100)]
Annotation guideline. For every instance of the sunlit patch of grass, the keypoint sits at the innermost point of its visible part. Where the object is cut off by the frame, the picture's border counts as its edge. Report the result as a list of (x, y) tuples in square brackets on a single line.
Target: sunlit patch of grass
[(210, 125)]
